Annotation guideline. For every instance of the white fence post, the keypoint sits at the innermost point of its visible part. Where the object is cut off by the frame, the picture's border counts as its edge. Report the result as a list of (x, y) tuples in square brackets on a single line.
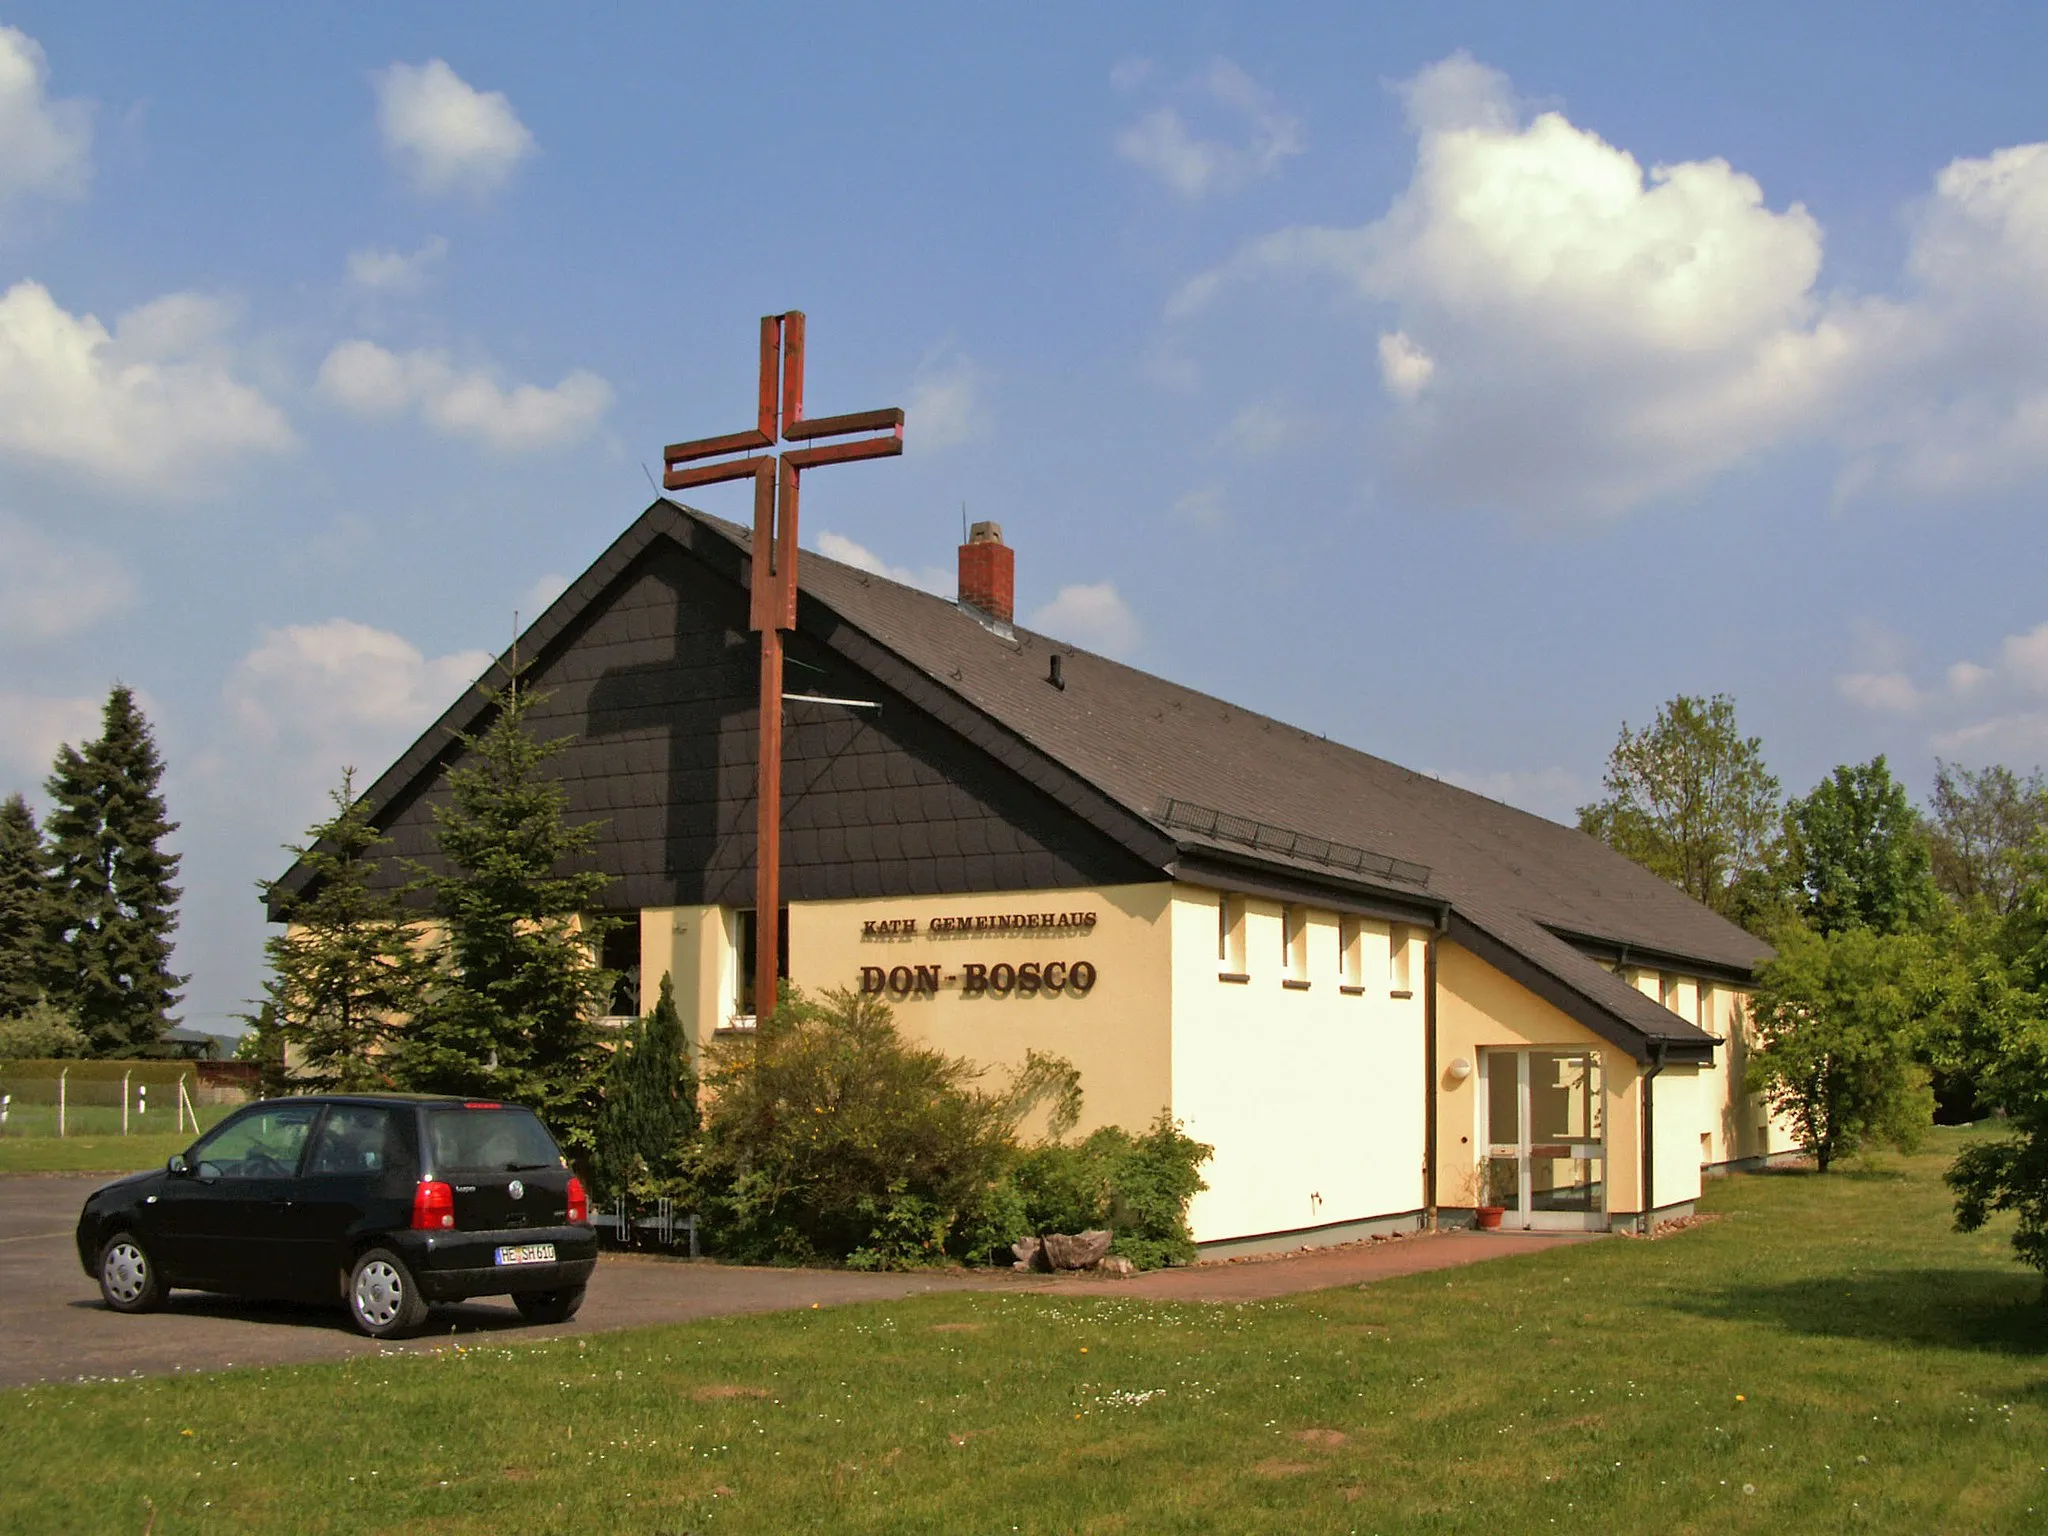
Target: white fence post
[(61, 1077), (124, 1100), (142, 1099), (186, 1106)]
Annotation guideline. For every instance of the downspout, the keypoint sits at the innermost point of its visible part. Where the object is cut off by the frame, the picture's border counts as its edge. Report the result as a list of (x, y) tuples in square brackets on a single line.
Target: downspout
[(1429, 1078), (1650, 1135)]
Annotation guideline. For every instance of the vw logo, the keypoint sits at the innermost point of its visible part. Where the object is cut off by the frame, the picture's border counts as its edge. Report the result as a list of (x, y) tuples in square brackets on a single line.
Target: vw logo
[(516, 1190)]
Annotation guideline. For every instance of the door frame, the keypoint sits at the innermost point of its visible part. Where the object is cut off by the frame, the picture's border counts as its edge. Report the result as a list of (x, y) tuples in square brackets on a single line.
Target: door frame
[(1525, 1217)]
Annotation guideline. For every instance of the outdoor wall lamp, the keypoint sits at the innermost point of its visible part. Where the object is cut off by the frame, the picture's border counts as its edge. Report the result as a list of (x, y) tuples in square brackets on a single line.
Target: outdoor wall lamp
[(1458, 1070)]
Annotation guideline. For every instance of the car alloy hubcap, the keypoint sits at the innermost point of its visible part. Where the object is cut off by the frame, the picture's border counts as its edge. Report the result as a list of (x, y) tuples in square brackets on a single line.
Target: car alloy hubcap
[(380, 1291), (126, 1271)]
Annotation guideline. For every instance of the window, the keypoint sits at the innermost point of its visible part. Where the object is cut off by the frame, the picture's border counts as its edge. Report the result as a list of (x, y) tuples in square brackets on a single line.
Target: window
[(1400, 976), (508, 1139), (262, 1145), (1230, 934), (619, 953), (354, 1139), (1704, 1011), (1667, 992), (744, 954), (1294, 943), (1351, 953)]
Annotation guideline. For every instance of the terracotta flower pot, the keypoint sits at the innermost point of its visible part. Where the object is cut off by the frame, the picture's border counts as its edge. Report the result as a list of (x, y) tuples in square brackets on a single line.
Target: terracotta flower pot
[(1489, 1217)]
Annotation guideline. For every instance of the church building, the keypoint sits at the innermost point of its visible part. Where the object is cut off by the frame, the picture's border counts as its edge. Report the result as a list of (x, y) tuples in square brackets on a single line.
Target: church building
[(1382, 999)]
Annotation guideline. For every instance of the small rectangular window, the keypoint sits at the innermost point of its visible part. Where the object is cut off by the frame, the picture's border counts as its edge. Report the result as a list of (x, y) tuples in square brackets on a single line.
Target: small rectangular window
[(1667, 992), (1230, 955), (1704, 1011), (1400, 976), (1351, 951), (1294, 942), (619, 953)]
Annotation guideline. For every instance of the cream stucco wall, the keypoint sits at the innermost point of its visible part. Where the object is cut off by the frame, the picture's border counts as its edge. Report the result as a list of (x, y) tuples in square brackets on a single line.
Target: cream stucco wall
[(1476, 1007), (1312, 1096), (1119, 1035)]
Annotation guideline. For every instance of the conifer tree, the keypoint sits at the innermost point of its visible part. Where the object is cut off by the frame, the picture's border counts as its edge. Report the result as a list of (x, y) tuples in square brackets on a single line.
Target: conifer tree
[(113, 907), (24, 908), (346, 972), (510, 1007), (650, 1105)]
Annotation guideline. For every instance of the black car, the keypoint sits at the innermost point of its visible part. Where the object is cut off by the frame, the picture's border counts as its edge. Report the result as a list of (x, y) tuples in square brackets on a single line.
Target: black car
[(389, 1202)]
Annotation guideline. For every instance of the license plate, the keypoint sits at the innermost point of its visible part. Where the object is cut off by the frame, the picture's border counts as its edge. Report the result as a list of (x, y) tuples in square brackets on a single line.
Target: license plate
[(527, 1253)]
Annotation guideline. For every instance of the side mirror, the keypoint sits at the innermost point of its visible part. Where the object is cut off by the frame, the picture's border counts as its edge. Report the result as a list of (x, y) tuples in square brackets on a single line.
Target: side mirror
[(176, 1166)]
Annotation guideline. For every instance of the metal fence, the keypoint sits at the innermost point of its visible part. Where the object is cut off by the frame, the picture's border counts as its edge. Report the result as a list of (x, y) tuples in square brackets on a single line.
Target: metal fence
[(106, 1098)]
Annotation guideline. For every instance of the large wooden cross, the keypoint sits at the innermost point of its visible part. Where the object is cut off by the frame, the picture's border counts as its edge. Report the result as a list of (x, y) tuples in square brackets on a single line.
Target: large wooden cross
[(773, 605)]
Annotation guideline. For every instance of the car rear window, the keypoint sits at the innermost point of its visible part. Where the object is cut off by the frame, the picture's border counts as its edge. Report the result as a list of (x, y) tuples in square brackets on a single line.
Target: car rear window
[(490, 1138)]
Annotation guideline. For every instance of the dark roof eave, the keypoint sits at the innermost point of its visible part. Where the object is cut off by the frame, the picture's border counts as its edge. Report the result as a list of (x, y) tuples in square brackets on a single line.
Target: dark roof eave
[(1689, 1046), (1627, 952), (1231, 869)]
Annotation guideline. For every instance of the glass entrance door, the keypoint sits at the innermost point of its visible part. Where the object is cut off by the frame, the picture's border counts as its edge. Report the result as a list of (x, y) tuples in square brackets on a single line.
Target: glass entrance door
[(1545, 1137)]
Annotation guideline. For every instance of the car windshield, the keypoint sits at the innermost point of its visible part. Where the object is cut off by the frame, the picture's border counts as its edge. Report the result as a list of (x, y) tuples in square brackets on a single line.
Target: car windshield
[(490, 1138)]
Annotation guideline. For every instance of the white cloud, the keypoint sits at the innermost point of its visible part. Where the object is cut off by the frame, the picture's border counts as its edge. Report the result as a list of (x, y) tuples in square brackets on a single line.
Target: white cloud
[(945, 407), (342, 692), (1405, 368), (1259, 430), (49, 589), (1966, 677), (1091, 615), (1553, 792), (542, 594), (1573, 334), (1205, 508), (1162, 144), (45, 145), (151, 405), (33, 726), (366, 380), (930, 578), (1880, 690), (445, 134), (384, 271)]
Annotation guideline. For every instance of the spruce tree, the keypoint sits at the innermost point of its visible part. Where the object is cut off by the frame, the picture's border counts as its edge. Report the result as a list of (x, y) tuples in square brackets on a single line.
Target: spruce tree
[(650, 1106), (510, 1006), (24, 908), (346, 972), (113, 907)]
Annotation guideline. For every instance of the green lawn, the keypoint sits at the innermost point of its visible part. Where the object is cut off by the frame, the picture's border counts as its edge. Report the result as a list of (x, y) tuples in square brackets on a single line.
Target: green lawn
[(90, 1154), (1826, 1356)]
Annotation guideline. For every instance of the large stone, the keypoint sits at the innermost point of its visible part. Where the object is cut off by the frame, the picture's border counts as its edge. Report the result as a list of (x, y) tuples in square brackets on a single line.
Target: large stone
[(1076, 1250), (1029, 1251), (1116, 1264)]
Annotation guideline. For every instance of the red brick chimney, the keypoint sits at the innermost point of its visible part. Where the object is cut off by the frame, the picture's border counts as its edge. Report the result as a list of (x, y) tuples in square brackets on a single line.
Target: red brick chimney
[(988, 572)]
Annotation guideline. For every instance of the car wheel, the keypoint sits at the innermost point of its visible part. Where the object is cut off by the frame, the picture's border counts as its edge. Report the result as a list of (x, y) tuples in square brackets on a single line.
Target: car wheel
[(383, 1300), (129, 1278), (549, 1306)]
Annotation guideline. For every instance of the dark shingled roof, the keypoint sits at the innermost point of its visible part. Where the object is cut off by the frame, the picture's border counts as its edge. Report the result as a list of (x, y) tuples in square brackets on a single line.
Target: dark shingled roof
[(1213, 787)]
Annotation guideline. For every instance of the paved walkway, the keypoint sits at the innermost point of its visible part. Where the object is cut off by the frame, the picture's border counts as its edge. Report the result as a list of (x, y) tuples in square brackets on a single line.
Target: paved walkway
[(53, 1326)]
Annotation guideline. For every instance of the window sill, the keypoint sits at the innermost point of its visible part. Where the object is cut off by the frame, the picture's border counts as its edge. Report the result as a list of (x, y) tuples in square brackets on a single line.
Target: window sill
[(1293, 984), (1238, 977), (1401, 994), (738, 1024), (1350, 991)]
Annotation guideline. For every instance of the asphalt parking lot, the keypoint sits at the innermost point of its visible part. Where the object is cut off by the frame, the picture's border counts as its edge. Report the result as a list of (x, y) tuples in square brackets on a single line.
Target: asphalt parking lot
[(53, 1326)]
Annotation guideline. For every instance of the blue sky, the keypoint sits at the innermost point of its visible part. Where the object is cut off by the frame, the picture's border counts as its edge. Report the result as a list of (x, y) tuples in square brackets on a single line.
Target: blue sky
[(1460, 381)]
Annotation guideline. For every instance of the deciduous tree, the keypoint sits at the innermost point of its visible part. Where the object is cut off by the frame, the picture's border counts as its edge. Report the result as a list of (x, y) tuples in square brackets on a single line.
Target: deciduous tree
[(1985, 822), (1689, 799), (1857, 853), (113, 907), (1837, 1018)]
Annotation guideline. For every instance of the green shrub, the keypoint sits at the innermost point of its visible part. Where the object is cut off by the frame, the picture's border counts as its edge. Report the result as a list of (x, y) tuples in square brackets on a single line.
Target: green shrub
[(1138, 1187), (826, 1135), (42, 1031), (650, 1109)]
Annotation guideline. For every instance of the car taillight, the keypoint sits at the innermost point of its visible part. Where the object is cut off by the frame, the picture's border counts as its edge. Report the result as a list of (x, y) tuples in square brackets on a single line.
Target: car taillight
[(433, 1206), (579, 1202)]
